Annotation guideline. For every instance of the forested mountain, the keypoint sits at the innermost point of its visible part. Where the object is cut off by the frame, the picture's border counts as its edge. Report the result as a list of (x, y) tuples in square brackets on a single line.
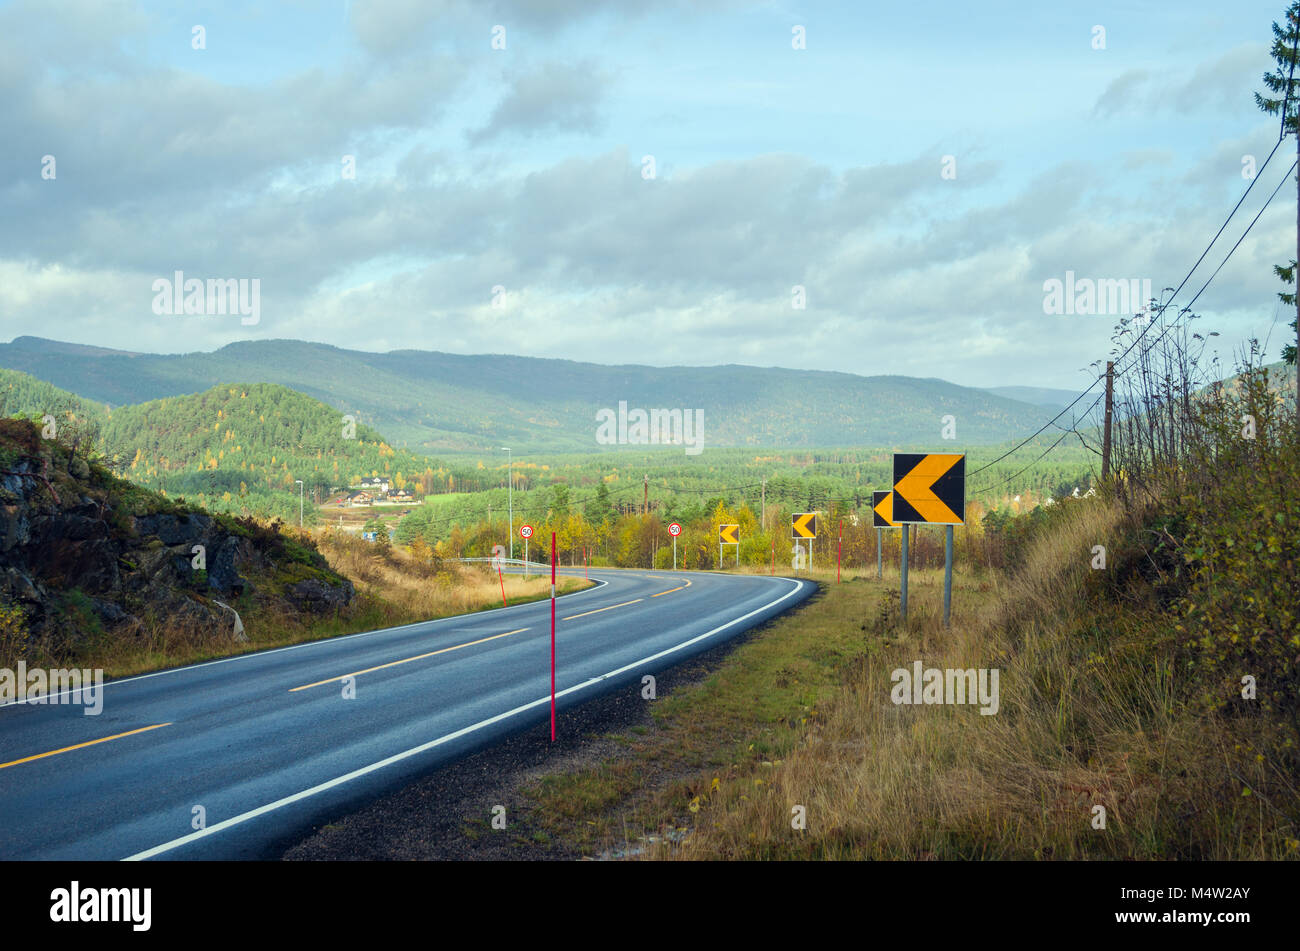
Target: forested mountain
[(439, 401), (241, 447), (234, 448)]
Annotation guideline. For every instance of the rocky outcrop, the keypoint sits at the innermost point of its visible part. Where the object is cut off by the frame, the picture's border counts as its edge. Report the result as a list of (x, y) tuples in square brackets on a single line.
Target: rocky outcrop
[(82, 543)]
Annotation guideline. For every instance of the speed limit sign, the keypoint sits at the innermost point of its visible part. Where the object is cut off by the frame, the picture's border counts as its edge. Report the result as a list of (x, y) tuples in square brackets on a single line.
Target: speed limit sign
[(674, 529), (525, 531)]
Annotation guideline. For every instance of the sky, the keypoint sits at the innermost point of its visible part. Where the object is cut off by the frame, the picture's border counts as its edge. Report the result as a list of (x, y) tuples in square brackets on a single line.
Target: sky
[(864, 187)]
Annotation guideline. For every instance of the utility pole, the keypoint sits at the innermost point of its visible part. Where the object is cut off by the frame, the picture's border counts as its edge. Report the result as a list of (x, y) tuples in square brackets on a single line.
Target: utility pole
[(645, 502), (762, 515), (1110, 404), (299, 481), (510, 496)]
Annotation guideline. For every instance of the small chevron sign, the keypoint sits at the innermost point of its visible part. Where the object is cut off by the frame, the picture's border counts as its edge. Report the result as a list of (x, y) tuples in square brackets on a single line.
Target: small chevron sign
[(728, 534), (882, 509), (803, 525)]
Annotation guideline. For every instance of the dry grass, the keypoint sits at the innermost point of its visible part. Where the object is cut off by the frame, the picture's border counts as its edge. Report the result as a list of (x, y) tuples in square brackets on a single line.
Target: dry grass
[(393, 588), (1090, 716), (1093, 712), (418, 590)]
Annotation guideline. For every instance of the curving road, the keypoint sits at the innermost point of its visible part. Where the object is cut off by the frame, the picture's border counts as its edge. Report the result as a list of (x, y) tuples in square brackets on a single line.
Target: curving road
[(268, 745)]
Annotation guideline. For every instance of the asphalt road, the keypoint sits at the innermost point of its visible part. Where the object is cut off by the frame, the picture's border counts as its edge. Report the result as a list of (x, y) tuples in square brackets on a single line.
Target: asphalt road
[(269, 747)]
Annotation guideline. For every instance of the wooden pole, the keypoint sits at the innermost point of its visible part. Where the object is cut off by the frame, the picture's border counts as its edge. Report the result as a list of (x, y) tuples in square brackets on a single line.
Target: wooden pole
[(1110, 404)]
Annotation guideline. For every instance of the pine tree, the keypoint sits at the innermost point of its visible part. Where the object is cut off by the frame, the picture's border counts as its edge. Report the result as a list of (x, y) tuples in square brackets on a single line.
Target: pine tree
[(1285, 101)]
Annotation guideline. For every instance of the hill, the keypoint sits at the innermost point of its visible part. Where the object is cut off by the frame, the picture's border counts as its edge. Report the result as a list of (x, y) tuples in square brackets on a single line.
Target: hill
[(234, 448), (241, 447), (435, 401), (22, 394)]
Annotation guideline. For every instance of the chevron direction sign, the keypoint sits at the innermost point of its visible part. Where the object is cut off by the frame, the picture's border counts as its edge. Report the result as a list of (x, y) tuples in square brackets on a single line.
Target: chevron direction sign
[(882, 509), (803, 525), (727, 534), (929, 488)]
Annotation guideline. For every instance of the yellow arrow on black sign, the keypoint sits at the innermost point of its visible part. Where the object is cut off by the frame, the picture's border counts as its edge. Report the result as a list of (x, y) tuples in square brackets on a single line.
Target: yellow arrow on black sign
[(803, 525), (882, 509), (727, 534), (929, 488)]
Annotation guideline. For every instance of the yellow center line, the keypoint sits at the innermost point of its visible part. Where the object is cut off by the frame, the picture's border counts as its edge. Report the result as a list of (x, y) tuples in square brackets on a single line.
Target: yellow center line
[(671, 590), (358, 673), (598, 610), (117, 736)]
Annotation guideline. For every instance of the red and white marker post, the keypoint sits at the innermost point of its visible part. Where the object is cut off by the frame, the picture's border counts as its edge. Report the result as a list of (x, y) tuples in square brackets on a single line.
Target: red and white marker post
[(552, 634), (839, 546)]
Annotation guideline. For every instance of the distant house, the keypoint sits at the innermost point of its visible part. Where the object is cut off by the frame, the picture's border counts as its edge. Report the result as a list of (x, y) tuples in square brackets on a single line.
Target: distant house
[(401, 495), (377, 484), (360, 498)]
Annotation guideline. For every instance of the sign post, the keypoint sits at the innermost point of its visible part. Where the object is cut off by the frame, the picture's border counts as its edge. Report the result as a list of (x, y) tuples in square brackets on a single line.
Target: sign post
[(947, 574), (728, 535), (902, 569), (929, 489), (882, 510), (804, 525), (674, 530), (525, 532)]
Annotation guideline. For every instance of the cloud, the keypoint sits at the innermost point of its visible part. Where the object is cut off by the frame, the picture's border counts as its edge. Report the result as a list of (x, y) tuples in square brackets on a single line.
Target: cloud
[(554, 98), (1222, 85), (164, 168)]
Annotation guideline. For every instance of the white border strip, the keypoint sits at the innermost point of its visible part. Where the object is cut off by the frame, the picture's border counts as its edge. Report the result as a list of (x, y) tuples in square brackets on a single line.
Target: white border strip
[(415, 751)]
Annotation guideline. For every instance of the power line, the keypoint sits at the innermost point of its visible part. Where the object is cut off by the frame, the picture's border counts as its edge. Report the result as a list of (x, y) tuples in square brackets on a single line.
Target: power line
[(1138, 338), (1285, 179), (1169, 326)]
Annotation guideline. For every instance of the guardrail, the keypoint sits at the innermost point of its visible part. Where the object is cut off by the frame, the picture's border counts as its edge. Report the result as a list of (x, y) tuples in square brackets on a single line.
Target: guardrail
[(503, 562)]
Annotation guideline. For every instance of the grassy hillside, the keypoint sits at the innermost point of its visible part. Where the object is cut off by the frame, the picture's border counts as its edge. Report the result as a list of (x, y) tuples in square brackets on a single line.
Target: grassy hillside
[(439, 401)]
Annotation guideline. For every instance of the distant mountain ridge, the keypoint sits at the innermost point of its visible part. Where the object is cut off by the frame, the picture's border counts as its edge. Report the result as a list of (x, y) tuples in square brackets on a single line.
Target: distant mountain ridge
[(440, 402), (1037, 395)]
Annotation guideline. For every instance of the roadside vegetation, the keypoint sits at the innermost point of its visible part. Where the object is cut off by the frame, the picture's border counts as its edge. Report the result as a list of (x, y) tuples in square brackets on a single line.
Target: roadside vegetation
[(1149, 656), (393, 587)]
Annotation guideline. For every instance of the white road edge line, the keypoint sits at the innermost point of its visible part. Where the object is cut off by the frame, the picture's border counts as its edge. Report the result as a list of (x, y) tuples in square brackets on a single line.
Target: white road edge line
[(43, 698), (415, 751)]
